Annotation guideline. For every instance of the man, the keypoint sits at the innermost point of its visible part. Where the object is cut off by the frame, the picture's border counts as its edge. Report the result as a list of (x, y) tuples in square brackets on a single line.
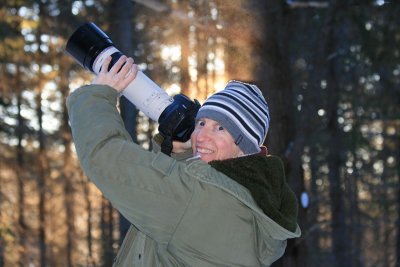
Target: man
[(223, 203)]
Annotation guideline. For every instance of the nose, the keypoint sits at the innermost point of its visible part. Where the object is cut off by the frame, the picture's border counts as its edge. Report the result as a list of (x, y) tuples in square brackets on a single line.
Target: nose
[(203, 134)]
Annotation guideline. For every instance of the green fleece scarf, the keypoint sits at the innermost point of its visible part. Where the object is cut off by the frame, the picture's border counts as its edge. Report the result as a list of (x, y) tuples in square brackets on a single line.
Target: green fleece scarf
[(264, 177)]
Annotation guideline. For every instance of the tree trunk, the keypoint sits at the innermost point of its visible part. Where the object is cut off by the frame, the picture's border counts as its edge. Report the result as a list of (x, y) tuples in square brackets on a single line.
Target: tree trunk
[(185, 51), (67, 171), (338, 224), (89, 239), (354, 212), (384, 195), (397, 156), (202, 60), (121, 17), (2, 249), (272, 74), (42, 158), (338, 210), (22, 226), (398, 203), (41, 181), (106, 233), (313, 226)]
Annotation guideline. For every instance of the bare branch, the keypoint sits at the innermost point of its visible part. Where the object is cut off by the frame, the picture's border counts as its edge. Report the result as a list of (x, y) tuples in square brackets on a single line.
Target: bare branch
[(176, 14), (211, 29), (154, 5), (313, 4)]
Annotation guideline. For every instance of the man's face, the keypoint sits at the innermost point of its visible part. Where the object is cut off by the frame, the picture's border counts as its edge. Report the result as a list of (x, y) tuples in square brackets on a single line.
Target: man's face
[(212, 142)]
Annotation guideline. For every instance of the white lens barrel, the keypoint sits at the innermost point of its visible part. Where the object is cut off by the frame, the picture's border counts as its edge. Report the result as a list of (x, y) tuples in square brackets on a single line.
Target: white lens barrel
[(146, 95)]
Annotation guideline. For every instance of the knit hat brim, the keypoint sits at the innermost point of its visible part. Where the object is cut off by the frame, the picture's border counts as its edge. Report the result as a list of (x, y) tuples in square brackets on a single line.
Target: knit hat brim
[(246, 145)]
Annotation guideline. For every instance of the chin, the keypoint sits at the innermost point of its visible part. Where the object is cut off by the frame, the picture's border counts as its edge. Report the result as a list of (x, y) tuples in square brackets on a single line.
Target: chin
[(206, 158)]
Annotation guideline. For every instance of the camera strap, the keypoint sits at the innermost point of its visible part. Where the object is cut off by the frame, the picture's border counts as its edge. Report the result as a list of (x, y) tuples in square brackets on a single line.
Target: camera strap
[(166, 145)]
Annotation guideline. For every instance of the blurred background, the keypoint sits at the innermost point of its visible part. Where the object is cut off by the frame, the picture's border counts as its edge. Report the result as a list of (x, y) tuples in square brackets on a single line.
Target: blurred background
[(329, 69)]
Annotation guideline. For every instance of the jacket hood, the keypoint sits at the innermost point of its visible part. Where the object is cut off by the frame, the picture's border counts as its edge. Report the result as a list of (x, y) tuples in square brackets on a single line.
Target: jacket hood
[(265, 179), (259, 183)]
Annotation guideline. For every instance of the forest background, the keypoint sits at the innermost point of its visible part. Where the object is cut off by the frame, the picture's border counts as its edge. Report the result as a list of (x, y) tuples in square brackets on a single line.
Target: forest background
[(330, 71)]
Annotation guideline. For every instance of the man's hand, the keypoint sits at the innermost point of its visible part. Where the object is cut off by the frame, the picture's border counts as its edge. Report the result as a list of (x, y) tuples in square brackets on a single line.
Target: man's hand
[(180, 147), (120, 75)]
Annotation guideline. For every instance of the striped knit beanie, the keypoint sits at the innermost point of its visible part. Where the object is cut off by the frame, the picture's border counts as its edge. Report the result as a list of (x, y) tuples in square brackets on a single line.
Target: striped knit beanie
[(242, 110)]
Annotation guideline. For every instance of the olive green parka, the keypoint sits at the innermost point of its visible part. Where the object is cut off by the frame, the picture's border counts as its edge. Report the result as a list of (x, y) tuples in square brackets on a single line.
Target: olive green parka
[(183, 212)]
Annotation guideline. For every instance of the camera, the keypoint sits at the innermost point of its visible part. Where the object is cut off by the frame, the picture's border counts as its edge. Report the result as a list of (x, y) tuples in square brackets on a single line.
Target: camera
[(89, 46)]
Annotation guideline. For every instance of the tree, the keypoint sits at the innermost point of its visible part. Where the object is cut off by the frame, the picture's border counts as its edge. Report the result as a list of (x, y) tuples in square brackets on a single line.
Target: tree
[(124, 38)]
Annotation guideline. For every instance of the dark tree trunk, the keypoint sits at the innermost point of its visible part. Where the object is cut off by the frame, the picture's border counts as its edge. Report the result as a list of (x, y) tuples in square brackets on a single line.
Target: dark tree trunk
[(2, 249), (398, 204), (354, 213), (42, 161), (202, 60), (272, 74), (22, 226), (185, 77), (338, 224), (107, 240), (41, 180), (340, 239), (89, 238), (67, 172), (121, 17), (312, 226)]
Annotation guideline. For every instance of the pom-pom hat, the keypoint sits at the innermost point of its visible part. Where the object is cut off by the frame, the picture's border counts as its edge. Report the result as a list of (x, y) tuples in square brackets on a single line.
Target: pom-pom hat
[(242, 110)]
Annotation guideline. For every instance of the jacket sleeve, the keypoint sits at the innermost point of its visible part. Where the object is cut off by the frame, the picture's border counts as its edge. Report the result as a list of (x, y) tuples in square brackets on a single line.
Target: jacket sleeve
[(150, 189)]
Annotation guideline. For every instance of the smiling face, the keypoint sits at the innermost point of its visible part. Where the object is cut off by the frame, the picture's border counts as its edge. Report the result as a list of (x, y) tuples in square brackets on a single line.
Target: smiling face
[(212, 142)]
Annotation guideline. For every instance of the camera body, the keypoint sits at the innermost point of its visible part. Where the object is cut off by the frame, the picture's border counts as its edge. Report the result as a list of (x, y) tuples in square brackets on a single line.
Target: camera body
[(89, 46)]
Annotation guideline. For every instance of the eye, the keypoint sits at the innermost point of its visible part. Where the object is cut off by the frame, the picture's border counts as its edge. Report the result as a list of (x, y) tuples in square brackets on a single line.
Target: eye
[(200, 123), (220, 128)]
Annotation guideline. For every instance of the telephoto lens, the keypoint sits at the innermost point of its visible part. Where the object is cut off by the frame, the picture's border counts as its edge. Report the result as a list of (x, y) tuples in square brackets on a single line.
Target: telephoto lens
[(90, 46)]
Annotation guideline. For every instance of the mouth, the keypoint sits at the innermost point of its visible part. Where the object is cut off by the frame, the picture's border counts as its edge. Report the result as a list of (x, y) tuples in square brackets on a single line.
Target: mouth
[(201, 150)]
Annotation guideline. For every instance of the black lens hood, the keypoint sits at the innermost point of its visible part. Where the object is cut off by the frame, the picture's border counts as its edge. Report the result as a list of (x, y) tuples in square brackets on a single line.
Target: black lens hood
[(86, 43)]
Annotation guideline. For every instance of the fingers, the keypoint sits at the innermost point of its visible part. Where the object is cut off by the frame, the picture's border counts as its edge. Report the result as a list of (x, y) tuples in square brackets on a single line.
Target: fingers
[(130, 76), (180, 147), (106, 63), (122, 73), (126, 68), (117, 66)]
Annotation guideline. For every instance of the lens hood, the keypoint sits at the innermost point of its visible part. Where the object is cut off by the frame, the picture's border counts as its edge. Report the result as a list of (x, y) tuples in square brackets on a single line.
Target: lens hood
[(86, 43)]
